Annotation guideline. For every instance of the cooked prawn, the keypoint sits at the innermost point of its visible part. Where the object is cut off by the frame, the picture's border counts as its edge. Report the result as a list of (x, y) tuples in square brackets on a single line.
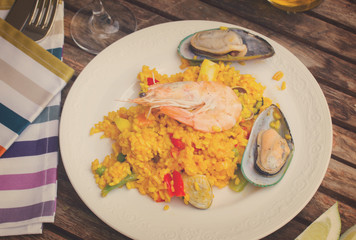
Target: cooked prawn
[(205, 106)]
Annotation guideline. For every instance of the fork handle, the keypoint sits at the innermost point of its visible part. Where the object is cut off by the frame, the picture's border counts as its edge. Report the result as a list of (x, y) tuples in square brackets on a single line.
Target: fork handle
[(20, 13)]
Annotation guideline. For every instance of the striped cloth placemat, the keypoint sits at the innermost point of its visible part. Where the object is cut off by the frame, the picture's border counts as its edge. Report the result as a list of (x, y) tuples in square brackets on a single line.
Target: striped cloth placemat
[(30, 83)]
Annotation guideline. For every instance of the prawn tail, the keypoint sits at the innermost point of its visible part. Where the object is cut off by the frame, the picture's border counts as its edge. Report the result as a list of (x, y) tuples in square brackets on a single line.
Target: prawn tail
[(179, 114)]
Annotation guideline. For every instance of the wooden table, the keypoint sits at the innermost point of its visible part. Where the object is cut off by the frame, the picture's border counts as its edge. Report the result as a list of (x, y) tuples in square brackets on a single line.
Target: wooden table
[(323, 39)]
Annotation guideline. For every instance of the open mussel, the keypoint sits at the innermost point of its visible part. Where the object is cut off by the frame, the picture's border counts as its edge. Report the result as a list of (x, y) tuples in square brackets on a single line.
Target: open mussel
[(272, 152), (218, 42), (269, 150), (224, 44)]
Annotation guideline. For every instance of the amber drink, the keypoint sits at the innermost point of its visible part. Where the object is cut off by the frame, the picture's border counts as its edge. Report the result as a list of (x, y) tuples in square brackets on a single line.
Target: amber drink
[(295, 5)]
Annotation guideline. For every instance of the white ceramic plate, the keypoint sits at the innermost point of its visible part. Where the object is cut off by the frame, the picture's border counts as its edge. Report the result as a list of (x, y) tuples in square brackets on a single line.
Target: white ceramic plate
[(251, 214)]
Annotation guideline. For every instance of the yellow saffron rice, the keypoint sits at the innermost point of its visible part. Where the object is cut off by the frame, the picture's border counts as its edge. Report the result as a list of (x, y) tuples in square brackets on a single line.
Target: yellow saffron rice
[(149, 151)]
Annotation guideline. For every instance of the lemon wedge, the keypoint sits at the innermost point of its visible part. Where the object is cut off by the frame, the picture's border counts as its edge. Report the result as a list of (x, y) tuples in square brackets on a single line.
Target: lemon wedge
[(325, 227), (350, 234)]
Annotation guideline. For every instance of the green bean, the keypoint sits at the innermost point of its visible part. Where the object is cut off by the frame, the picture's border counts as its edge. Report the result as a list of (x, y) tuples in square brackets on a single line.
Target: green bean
[(108, 188), (242, 183)]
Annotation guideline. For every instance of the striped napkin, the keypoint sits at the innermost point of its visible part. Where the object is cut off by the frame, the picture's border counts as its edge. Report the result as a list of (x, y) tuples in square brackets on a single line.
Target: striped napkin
[(31, 79)]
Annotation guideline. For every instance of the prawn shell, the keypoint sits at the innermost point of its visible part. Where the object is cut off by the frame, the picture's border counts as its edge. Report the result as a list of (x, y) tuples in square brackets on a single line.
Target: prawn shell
[(257, 48), (250, 156)]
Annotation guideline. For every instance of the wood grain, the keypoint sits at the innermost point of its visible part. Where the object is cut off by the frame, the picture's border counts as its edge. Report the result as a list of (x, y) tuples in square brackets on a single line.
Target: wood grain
[(342, 13), (344, 145), (342, 107), (340, 179)]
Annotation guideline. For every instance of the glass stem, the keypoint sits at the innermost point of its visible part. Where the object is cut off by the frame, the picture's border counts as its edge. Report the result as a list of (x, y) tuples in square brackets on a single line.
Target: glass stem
[(101, 20)]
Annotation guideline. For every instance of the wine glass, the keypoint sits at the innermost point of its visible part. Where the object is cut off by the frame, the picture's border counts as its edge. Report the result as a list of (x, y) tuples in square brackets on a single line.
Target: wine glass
[(94, 27)]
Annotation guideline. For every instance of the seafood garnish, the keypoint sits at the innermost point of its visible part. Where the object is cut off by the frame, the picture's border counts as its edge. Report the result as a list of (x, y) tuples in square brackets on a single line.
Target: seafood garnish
[(269, 150), (218, 42), (199, 191), (206, 106), (272, 152), (224, 44)]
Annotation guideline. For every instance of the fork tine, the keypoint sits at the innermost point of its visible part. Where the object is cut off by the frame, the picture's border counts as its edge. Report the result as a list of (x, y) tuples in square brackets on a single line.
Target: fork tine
[(50, 13), (41, 20), (33, 13), (49, 9), (40, 11)]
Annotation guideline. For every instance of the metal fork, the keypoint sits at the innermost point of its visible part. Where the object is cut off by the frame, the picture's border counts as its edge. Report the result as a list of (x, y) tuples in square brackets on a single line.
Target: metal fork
[(33, 17)]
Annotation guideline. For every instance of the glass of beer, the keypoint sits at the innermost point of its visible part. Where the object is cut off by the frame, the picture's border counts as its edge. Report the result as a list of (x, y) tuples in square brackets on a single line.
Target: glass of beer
[(295, 5)]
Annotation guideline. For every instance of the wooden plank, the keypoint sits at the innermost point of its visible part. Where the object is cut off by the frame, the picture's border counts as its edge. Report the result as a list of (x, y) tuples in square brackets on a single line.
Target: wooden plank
[(341, 12), (74, 5), (341, 179), (302, 27), (342, 107), (344, 144), (76, 58)]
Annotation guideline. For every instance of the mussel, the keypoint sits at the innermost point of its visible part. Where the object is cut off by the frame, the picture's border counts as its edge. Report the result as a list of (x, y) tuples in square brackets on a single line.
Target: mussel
[(224, 44), (272, 152), (218, 42), (269, 150)]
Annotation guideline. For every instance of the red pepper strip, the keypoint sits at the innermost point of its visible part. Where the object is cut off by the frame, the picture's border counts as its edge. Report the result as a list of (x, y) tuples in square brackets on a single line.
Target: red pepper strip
[(167, 180), (150, 81), (177, 142), (178, 184)]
